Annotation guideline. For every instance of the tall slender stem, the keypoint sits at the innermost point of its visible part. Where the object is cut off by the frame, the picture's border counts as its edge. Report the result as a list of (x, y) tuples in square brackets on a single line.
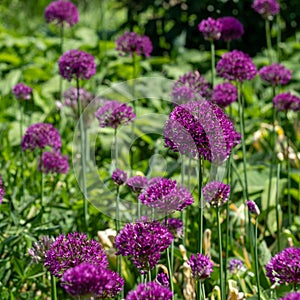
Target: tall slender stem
[(199, 295), (212, 53), (220, 254), (22, 152), (42, 182), (61, 46), (278, 36), (256, 260), (278, 207), (169, 266), (268, 39), (53, 288), (200, 208), (289, 185)]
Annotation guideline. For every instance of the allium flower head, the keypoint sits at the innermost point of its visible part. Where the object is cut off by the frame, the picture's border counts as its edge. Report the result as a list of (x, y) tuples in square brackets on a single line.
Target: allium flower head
[(175, 226), (150, 291), (166, 196), (190, 87), (201, 266), (200, 129), (236, 65), (275, 74), (284, 267), (143, 243), (71, 250), (91, 280), (22, 91), (2, 192), (137, 183), (70, 98), (286, 101), (162, 279), (253, 208), (211, 29), (232, 28), (41, 135), (266, 8), (224, 94), (76, 64), (119, 177), (216, 193), (62, 12), (235, 265), (113, 114), (39, 249), (130, 43), (291, 296), (53, 162)]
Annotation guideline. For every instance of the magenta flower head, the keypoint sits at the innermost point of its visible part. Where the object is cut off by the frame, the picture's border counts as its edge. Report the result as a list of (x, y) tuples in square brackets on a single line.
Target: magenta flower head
[(70, 98), (224, 94), (190, 87), (201, 129), (236, 65), (284, 267), (235, 265), (68, 251), (175, 226), (53, 162), (119, 177), (91, 280), (143, 243), (211, 29), (201, 266), (286, 101), (266, 8), (114, 113), (22, 91), (216, 193), (41, 135), (275, 74), (76, 64), (291, 296), (62, 12), (39, 249), (163, 279), (232, 28), (150, 290), (131, 43), (253, 208), (2, 191), (166, 196), (137, 183)]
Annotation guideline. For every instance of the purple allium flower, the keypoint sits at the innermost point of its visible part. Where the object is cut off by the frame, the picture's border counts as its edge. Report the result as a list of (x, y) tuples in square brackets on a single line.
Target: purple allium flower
[(53, 162), (211, 29), (190, 87), (236, 65), (286, 101), (113, 113), (130, 43), (150, 290), (201, 266), (235, 265), (91, 280), (224, 94), (137, 183), (70, 98), (284, 267), (62, 12), (119, 177), (163, 279), (39, 249), (275, 74), (76, 64), (201, 129), (40, 135), (291, 296), (175, 226), (143, 242), (232, 28), (71, 250), (253, 208), (166, 196), (2, 191), (266, 8), (216, 193), (22, 91)]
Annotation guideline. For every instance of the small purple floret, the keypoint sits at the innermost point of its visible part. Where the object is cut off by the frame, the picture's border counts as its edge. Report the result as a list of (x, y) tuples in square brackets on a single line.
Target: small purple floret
[(275, 74), (216, 193), (224, 94), (22, 91), (286, 101), (232, 28), (201, 266), (266, 8), (53, 162), (211, 29)]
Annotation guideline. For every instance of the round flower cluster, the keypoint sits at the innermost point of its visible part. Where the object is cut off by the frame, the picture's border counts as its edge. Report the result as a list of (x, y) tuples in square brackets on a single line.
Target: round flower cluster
[(175, 226), (137, 183), (291, 296), (2, 192), (62, 12), (211, 29), (275, 74), (235, 265), (232, 29), (71, 250), (190, 87), (201, 129), (201, 266), (113, 114), (53, 162), (70, 97), (284, 267), (39, 249), (236, 65), (162, 279), (150, 290), (41, 135), (130, 43), (286, 101), (22, 91), (119, 177), (143, 242), (91, 280), (224, 94), (216, 193), (166, 196), (76, 64), (266, 8), (253, 208)]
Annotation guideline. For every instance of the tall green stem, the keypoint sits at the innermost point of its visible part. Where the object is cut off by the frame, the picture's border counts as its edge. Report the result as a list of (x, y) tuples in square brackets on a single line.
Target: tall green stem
[(256, 260), (200, 208), (278, 207), (220, 254), (268, 39), (42, 182), (61, 46), (278, 36), (169, 266), (212, 53), (22, 152), (53, 288), (289, 185)]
